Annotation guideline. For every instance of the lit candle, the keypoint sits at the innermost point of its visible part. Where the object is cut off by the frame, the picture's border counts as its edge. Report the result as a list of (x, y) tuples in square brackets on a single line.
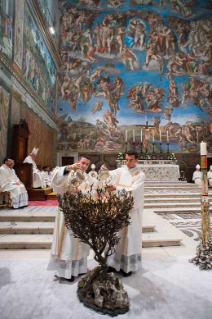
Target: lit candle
[(126, 136), (167, 133), (160, 135), (133, 136), (141, 136), (203, 148), (153, 136)]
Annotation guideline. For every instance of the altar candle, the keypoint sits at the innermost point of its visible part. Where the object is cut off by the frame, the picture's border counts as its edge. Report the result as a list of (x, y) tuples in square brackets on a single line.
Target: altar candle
[(160, 135), (126, 136), (153, 136), (133, 136), (167, 133), (141, 136), (203, 148)]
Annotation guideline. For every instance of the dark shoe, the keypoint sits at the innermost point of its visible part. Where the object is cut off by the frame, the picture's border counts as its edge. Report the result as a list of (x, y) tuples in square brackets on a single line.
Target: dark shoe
[(70, 280), (126, 274), (111, 269)]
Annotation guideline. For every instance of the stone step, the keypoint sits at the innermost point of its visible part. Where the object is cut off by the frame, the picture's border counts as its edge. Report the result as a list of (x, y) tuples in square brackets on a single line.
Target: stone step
[(27, 216), (172, 200), (184, 186), (173, 195), (26, 227), (172, 188), (43, 241), (182, 210), (42, 228), (172, 205), (148, 181)]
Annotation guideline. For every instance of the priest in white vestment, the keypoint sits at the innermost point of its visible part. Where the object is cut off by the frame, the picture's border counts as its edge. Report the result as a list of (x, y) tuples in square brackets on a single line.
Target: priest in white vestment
[(68, 254), (9, 182), (39, 180), (209, 175), (127, 257), (197, 176), (93, 173)]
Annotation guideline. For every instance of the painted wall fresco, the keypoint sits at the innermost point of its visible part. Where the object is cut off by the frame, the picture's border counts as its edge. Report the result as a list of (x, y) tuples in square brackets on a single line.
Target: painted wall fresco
[(6, 26), (38, 66), (125, 63)]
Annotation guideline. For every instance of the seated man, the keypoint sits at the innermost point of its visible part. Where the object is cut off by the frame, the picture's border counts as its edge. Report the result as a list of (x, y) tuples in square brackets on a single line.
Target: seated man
[(209, 175), (197, 176), (38, 178), (9, 182)]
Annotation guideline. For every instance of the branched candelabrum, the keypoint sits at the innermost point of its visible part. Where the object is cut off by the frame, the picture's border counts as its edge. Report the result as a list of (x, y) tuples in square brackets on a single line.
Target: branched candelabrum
[(141, 151), (161, 151), (153, 150), (125, 147), (168, 154)]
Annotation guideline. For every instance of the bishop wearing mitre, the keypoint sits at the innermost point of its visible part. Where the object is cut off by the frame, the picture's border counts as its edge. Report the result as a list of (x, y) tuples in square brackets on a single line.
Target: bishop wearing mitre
[(197, 176), (9, 182), (68, 254), (39, 180)]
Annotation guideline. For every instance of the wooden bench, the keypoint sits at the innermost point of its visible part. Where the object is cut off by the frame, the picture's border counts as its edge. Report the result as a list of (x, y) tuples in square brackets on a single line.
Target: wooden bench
[(8, 202)]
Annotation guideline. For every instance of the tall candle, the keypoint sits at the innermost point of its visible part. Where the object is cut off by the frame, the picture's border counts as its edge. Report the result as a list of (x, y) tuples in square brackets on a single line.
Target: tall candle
[(153, 136), (126, 136), (133, 136), (203, 148), (167, 133), (141, 136), (160, 135)]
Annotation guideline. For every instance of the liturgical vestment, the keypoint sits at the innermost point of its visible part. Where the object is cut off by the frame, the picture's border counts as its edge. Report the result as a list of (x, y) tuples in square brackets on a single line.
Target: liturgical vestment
[(68, 254), (209, 175), (18, 193), (128, 251), (197, 178), (38, 178)]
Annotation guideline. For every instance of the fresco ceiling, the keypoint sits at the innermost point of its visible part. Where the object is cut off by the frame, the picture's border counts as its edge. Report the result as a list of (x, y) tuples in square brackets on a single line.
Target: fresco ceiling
[(128, 62)]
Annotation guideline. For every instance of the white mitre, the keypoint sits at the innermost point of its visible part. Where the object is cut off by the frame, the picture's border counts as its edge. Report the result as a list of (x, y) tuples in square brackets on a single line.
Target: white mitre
[(211, 168), (34, 151), (93, 166), (198, 166)]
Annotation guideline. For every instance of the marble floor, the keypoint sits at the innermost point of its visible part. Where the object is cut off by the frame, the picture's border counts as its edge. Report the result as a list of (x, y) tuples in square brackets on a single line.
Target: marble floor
[(165, 288)]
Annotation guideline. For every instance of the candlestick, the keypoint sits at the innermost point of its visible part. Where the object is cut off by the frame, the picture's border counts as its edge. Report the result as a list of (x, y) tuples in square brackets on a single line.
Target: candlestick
[(141, 136), (167, 133), (203, 148), (161, 151), (141, 151), (126, 136), (125, 147), (133, 136), (153, 136), (153, 150), (168, 154), (160, 135)]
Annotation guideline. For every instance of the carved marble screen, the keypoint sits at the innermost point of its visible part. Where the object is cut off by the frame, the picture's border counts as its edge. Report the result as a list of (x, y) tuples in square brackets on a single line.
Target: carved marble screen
[(128, 62)]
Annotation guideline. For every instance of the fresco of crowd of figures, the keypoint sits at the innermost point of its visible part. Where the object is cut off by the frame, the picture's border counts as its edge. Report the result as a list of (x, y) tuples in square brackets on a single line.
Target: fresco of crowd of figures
[(125, 62)]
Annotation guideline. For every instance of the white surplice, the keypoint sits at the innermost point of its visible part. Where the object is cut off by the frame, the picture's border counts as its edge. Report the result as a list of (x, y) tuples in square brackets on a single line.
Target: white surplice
[(209, 175), (38, 178), (18, 193), (93, 174), (68, 254), (197, 178), (128, 251)]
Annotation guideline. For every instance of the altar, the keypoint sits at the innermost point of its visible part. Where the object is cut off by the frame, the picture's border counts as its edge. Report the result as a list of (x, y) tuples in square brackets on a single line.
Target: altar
[(165, 170)]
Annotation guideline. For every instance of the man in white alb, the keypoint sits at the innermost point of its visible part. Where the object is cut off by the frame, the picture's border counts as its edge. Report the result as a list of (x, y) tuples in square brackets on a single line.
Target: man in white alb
[(68, 254), (127, 256), (197, 176), (9, 182), (39, 180), (209, 175)]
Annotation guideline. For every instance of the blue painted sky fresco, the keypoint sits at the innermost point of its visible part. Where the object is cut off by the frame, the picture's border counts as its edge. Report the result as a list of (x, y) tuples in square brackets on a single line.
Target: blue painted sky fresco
[(180, 66)]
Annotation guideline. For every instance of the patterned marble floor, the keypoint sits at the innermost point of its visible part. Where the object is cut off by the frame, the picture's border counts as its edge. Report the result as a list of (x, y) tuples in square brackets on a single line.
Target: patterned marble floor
[(189, 223)]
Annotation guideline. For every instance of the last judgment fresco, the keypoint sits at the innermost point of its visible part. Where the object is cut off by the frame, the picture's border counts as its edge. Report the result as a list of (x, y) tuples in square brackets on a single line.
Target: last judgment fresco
[(125, 63)]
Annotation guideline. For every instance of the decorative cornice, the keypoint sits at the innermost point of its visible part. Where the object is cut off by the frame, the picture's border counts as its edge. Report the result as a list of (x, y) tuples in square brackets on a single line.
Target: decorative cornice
[(26, 87), (44, 29)]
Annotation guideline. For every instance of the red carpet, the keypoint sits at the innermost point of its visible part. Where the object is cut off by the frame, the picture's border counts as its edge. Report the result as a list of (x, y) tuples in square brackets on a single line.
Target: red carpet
[(53, 202)]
